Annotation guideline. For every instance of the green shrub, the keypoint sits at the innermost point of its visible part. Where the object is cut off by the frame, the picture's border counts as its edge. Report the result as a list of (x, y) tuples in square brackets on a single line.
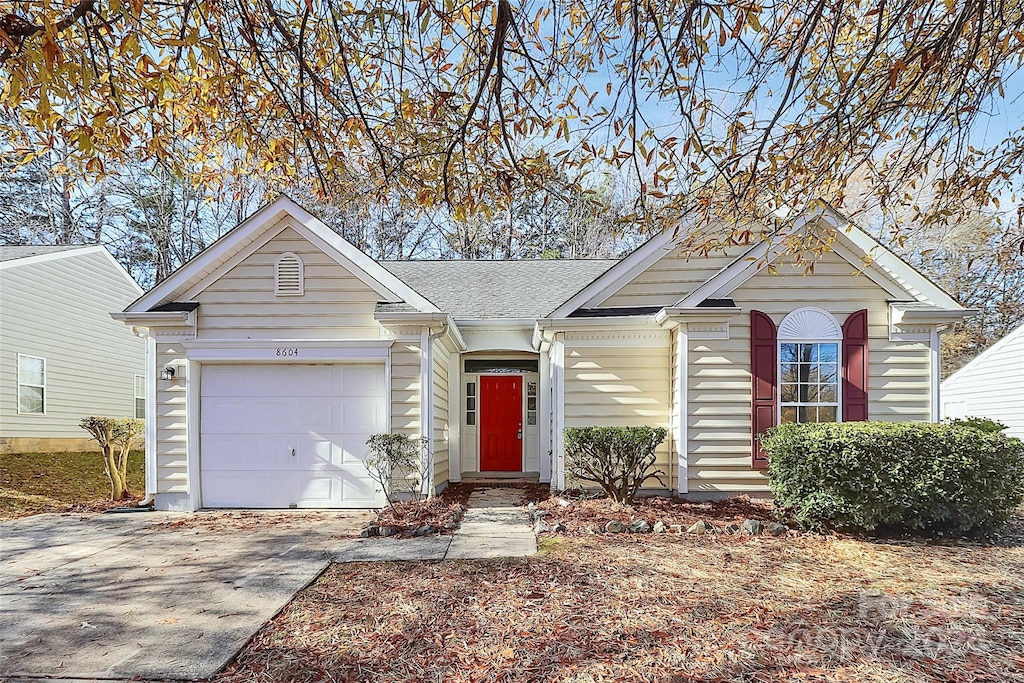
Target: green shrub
[(935, 478), (982, 424), (618, 459)]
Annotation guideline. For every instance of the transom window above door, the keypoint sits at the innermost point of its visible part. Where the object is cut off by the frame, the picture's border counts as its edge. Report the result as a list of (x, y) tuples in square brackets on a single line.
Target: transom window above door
[(500, 366)]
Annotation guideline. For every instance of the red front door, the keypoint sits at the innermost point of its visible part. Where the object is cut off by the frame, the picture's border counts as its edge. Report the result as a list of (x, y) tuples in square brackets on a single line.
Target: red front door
[(501, 424)]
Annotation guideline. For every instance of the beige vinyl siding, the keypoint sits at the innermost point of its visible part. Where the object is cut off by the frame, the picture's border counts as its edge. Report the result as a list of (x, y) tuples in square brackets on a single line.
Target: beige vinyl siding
[(719, 384), (619, 386), (241, 304), (671, 278), (405, 388), (440, 428), (171, 426), (59, 310)]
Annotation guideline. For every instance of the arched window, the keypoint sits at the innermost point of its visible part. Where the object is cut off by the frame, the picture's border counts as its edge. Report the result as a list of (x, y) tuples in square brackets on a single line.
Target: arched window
[(288, 275), (810, 367)]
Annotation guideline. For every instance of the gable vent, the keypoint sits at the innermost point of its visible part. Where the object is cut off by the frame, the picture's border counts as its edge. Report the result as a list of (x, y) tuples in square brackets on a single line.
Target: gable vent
[(288, 275)]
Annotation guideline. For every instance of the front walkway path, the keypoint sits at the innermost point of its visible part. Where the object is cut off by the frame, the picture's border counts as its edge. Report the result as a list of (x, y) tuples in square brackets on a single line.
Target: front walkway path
[(495, 525)]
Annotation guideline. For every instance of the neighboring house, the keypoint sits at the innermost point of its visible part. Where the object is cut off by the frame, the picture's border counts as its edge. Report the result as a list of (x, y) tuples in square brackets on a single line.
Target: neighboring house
[(61, 356), (283, 347), (991, 385)]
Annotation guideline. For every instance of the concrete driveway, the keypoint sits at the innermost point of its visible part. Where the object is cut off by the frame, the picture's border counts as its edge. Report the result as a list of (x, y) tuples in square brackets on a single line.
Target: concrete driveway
[(151, 595)]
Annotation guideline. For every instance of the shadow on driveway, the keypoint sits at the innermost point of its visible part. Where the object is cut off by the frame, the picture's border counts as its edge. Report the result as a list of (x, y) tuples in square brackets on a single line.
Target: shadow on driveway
[(152, 595)]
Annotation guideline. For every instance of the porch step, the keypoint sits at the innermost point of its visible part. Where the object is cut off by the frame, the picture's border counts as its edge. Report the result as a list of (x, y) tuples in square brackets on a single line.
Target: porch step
[(501, 479)]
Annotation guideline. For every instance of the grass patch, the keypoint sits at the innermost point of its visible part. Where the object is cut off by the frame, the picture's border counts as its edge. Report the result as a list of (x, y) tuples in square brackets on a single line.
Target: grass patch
[(33, 483)]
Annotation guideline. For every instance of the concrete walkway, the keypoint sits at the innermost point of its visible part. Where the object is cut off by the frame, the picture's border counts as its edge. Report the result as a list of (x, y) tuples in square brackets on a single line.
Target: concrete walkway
[(495, 525)]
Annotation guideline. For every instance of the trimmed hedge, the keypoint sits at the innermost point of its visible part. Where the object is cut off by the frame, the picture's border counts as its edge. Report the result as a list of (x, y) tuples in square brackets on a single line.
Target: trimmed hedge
[(933, 478), (618, 459)]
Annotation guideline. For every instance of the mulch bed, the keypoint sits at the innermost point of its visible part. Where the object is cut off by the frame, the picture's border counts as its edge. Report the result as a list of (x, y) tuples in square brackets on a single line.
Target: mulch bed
[(590, 515), (441, 514), (673, 608)]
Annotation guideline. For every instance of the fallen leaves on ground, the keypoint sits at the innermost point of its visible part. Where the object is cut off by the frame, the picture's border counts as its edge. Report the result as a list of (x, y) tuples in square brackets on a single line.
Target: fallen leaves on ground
[(589, 515), (34, 483), (443, 512), (661, 608)]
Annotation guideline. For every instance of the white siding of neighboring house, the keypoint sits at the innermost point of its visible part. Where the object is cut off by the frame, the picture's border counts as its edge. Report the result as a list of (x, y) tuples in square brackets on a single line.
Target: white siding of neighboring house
[(719, 383), (620, 383), (59, 309), (671, 278), (991, 385)]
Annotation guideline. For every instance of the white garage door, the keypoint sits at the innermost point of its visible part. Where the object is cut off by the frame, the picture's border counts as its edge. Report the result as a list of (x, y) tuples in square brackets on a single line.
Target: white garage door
[(276, 436)]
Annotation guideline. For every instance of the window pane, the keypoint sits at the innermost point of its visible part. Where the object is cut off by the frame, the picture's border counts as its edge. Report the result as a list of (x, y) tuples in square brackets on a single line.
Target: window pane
[(788, 372), (501, 365), (531, 418), (804, 414), (807, 353), (789, 393), (471, 389), (788, 353), (826, 414), (531, 388), (808, 393), (827, 373), (32, 370), (827, 393), (828, 353), (140, 408), (140, 386), (30, 399), (788, 415), (531, 403), (808, 373), (470, 403), (470, 419)]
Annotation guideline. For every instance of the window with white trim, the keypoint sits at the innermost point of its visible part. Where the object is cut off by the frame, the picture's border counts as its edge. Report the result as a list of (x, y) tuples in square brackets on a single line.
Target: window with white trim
[(809, 382), (288, 275), (31, 385), (140, 397), (471, 404), (809, 377)]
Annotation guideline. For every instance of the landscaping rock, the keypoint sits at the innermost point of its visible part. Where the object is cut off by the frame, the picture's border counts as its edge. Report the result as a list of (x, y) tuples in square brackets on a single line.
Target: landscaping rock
[(753, 527), (776, 529), (558, 528), (639, 526), (678, 528), (539, 514), (531, 506), (451, 526), (698, 527), (372, 530), (731, 529), (659, 527), (615, 527), (541, 527), (387, 530), (563, 502), (424, 530)]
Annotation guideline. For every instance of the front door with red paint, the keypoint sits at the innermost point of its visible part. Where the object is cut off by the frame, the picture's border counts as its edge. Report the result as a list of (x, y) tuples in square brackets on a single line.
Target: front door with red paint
[(501, 423)]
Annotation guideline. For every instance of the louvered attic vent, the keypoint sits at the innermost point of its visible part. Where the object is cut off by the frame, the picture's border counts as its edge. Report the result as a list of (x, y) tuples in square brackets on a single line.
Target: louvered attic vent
[(288, 275)]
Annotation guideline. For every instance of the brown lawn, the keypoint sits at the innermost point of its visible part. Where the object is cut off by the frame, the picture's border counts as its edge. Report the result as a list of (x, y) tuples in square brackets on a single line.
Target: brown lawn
[(663, 608), (33, 483)]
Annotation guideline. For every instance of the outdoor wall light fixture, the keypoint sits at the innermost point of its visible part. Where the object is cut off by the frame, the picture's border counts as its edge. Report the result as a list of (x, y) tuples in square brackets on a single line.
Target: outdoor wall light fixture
[(168, 373)]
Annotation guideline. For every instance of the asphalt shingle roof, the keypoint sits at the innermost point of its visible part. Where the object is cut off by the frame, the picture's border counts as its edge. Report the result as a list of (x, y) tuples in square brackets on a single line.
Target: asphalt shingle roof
[(499, 289), (12, 252)]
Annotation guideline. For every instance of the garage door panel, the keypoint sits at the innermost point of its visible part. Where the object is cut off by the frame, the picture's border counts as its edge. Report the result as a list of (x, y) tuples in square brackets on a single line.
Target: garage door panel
[(247, 440)]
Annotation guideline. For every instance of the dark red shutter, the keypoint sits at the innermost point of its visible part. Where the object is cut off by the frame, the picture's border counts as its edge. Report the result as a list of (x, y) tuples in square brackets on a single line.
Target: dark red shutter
[(763, 369), (855, 367)]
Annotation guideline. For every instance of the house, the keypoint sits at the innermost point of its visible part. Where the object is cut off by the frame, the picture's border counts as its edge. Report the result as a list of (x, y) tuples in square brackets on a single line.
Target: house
[(61, 356), (282, 347), (991, 385)]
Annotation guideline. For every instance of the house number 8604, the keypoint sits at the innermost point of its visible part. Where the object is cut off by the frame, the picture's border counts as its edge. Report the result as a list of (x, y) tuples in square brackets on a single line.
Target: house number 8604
[(287, 351)]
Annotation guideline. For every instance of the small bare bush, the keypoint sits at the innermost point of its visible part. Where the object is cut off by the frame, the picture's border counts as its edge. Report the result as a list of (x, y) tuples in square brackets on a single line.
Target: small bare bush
[(116, 437)]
